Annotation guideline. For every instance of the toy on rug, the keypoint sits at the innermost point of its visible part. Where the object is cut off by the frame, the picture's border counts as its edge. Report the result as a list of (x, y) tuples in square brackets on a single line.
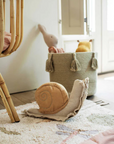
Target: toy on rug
[(50, 40), (84, 46), (55, 103)]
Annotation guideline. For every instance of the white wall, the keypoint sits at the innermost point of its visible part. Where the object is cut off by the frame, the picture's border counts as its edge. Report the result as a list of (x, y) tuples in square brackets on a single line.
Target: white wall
[(25, 68)]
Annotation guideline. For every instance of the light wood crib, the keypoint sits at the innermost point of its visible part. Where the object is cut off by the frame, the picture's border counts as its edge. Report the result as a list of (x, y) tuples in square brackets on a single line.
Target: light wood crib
[(16, 30)]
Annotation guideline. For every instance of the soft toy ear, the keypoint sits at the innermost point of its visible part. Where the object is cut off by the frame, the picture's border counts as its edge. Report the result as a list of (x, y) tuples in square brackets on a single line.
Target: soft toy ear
[(90, 40), (41, 28)]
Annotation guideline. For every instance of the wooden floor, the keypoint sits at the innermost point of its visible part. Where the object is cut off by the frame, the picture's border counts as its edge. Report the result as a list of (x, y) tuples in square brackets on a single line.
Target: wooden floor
[(21, 98), (105, 91)]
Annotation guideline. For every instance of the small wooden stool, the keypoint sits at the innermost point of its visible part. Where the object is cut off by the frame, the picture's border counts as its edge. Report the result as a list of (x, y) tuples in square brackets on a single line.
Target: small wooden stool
[(8, 103)]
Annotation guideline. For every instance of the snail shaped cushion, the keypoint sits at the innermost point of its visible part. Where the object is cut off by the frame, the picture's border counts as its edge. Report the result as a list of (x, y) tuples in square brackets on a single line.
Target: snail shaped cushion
[(54, 102), (51, 98)]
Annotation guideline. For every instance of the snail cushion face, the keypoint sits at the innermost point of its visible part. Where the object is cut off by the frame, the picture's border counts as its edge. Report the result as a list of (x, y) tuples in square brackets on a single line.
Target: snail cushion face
[(51, 97)]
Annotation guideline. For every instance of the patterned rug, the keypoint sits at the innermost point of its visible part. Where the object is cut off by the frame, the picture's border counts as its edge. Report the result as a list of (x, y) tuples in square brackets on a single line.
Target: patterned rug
[(91, 120)]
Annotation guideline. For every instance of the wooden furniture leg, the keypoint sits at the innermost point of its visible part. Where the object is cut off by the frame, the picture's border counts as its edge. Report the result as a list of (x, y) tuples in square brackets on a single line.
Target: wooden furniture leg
[(8, 101), (6, 105)]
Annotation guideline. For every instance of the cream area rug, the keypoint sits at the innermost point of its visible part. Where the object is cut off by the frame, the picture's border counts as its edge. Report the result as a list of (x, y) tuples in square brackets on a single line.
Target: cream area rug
[(91, 120)]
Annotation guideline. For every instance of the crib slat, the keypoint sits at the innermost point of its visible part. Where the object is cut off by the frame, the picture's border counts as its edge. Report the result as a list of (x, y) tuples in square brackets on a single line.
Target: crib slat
[(16, 30), (18, 24), (22, 13), (1, 26), (12, 28), (4, 3)]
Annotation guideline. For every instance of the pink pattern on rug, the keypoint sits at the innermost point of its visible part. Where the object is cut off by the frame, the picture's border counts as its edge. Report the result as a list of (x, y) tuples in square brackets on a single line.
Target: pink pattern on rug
[(106, 137), (73, 134)]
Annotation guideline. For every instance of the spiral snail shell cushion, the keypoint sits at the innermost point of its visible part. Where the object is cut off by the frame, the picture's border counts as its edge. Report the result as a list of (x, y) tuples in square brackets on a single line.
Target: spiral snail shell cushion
[(51, 98), (60, 108)]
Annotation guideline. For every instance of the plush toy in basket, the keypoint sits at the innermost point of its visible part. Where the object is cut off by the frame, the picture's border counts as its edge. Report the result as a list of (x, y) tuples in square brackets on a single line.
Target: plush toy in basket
[(66, 67), (55, 103), (84, 46), (50, 40)]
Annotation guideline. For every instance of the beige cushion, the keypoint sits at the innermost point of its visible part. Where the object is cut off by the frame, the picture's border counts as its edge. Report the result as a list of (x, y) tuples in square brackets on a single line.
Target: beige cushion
[(77, 96)]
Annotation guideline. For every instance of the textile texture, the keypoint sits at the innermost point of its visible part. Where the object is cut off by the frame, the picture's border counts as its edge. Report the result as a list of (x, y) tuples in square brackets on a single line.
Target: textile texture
[(63, 73), (91, 120)]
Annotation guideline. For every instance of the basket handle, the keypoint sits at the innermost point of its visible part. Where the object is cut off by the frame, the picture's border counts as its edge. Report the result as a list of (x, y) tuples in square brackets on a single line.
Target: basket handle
[(75, 65), (49, 63), (94, 64)]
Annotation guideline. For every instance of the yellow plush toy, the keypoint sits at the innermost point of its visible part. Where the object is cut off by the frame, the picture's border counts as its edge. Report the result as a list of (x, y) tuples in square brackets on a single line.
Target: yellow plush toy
[(84, 46)]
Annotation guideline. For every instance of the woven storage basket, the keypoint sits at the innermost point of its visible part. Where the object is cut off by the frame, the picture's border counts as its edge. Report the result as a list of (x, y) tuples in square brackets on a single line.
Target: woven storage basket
[(66, 67)]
